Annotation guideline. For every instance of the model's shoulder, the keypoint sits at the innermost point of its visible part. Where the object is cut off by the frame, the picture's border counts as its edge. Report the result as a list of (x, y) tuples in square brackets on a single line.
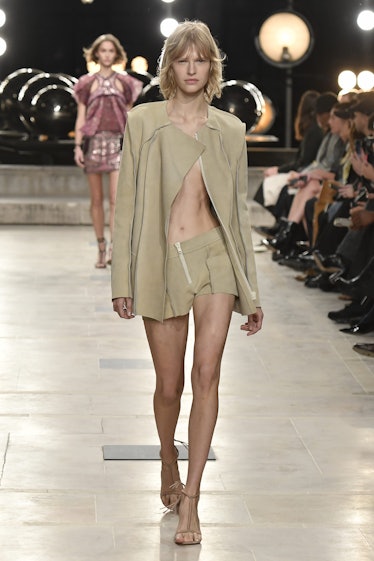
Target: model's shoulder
[(226, 119), (86, 79), (153, 112)]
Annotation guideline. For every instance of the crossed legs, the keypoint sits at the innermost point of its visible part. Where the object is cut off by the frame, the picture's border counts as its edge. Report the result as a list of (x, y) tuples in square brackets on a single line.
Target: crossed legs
[(167, 341)]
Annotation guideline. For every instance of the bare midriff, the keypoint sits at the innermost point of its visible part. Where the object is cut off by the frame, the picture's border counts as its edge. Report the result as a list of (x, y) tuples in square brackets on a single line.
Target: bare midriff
[(191, 210)]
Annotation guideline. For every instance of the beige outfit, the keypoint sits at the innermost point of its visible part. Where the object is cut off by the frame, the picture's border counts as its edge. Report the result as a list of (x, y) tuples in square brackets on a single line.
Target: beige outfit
[(156, 157), (200, 265)]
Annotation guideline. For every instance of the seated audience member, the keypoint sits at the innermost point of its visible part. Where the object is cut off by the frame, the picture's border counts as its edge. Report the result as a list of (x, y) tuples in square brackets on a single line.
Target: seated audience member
[(354, 245), (336, 197), (309, 132), (310, 184)]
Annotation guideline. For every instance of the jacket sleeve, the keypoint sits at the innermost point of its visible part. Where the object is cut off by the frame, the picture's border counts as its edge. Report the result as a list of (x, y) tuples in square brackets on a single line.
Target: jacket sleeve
[(244, 221), (124, 215)]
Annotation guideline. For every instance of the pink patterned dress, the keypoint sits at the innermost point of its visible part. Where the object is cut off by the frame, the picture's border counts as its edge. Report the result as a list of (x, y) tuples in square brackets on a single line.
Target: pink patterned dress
[(106, 116)]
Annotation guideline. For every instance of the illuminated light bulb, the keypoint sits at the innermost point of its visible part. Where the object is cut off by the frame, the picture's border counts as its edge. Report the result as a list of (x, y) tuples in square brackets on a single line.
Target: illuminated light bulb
[(365, 20), (2, 18), (2, 46), (365, 80), (167, 26), (347, 79)]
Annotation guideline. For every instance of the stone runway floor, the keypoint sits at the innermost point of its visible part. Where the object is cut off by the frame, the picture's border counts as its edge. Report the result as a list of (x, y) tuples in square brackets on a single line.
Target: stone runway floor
[(294, 474)]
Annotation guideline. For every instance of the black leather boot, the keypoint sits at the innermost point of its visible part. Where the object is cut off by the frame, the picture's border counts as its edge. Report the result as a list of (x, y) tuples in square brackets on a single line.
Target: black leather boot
[(287, 236), (365, 280)]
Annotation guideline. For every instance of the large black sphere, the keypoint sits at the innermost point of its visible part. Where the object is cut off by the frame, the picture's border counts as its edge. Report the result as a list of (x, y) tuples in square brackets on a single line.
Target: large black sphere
[(243, 100), (34, 85), (151, 92), (267, 118), (53, 111), (9, 91)]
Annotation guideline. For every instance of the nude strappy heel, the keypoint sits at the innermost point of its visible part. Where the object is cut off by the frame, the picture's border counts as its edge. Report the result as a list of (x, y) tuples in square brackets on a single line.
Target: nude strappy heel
[(101, 258), (191, 535), (171, 485)]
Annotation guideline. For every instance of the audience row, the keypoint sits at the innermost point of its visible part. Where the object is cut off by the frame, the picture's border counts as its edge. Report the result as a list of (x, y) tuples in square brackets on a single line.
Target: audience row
[(323, 204)]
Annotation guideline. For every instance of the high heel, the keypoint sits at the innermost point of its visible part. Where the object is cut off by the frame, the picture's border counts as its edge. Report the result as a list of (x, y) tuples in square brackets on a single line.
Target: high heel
[(171, 485), (101, 258), (110, 251), (191, 535)]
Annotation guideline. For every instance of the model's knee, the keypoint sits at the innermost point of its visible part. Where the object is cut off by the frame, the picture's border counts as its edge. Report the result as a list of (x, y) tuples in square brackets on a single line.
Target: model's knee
[(205, 378), (168, 394)]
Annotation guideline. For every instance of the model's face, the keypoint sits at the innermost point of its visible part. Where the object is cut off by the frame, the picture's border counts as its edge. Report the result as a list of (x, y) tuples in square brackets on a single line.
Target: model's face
[(191, 72), (106, 54)]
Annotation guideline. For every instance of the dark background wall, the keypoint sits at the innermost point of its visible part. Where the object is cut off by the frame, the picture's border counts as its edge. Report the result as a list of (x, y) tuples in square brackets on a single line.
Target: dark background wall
[(50, 34)]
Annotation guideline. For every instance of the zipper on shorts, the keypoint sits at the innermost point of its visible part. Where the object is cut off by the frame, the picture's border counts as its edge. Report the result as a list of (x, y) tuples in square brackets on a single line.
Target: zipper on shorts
[(183, 262)]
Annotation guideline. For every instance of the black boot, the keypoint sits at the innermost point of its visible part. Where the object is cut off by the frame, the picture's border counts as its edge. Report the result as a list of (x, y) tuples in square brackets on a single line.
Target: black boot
[(289, 233), (365, 280)]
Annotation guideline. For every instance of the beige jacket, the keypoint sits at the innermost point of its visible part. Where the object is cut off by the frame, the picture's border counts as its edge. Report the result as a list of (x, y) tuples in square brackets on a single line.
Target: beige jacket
[(156, 157)]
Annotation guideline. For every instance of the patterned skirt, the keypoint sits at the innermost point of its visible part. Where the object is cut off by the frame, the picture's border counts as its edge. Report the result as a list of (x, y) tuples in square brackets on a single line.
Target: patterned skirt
[(102, 152)]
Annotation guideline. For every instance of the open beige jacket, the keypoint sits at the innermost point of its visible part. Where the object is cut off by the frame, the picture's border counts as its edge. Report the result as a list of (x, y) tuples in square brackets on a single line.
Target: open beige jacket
[(156, 157)]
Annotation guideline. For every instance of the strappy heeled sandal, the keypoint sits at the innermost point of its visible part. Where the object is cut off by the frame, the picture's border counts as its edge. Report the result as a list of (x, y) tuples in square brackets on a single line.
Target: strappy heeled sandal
[(101, 258), (191, 535), (110, 250), (171, 485)]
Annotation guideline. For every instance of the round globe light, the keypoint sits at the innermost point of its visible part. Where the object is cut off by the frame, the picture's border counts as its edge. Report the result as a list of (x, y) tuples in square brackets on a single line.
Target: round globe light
[(347, 79), (2, 46), (285, 39), (365, 80), (365, 20), (167, 26), (2, 18)]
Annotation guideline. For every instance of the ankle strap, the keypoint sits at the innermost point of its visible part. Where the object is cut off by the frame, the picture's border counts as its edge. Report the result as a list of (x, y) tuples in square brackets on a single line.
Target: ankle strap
[(190, 496)]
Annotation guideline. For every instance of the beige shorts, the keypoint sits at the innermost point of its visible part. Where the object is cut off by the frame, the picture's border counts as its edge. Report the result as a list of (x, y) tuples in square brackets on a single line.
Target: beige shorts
[(197, 266)]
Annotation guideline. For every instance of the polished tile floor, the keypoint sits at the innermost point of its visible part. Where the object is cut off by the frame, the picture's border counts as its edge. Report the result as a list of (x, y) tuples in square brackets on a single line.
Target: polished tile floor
[(294, 475)]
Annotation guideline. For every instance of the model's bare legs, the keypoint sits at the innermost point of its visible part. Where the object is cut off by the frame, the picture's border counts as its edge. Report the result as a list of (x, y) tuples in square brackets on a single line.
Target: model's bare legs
[(113, 180), (95, 181), (167, 342), (97, 214), (212, 315)]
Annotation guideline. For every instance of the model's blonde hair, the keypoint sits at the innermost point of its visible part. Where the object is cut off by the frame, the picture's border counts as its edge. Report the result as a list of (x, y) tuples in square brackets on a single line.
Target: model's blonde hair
[(185, 35), (90, 54)]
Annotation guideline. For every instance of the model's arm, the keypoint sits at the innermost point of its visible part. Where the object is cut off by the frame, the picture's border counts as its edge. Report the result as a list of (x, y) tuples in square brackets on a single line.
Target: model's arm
[(81, 118), (124, 214), (254, 322)]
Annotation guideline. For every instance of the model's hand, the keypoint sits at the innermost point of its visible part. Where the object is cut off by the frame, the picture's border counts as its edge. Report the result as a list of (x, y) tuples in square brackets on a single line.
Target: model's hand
[(78, 156), (123, 307), (254, 322)]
